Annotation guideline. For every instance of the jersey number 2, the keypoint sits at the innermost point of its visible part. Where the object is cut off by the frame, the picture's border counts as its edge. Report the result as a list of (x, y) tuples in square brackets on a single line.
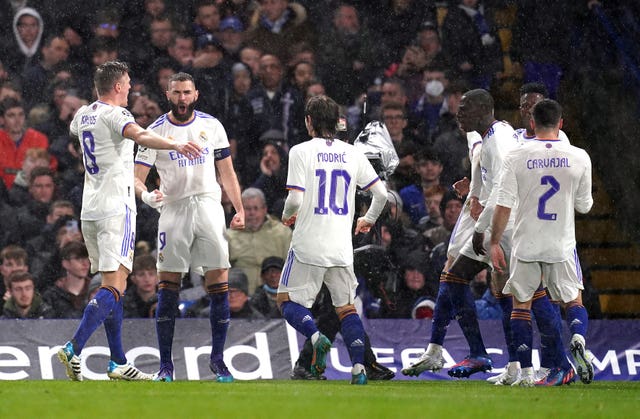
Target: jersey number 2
[(542, 202), (334, 190)]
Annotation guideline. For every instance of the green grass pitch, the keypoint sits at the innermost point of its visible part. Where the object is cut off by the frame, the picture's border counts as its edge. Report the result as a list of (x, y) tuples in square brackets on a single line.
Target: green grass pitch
[(328, 399)]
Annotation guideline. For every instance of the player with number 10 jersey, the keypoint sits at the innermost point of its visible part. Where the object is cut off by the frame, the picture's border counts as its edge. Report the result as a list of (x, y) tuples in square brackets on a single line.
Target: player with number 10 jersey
[(327, 171)]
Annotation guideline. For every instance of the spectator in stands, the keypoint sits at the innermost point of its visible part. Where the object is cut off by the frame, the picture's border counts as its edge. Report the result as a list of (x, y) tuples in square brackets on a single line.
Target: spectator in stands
[(19, 192), (211, 74), (432, 103), (207, 18), (263, 236), (412, 286), (395, 119), (16, 139), (9, 89), (38, 76), (269, 99), (397, 22), (250, 56), (239, 302), (25, 302), (449, 141), (141, 297), (21, 50), (346, 55), (45, 249), (470, 39), (31, 216), (428, 39), (69, 296), (405, 174), (543, 58), (277, 25), (238, 121), (273, 176), (432, 197), (429, 167), (450, 208), (181, 49), (232, 35), (12, 259), (264, 297)]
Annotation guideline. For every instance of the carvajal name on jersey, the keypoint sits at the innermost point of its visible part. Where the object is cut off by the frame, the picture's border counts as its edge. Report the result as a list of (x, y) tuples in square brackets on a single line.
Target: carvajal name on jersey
[(332, 157), (550, 163)]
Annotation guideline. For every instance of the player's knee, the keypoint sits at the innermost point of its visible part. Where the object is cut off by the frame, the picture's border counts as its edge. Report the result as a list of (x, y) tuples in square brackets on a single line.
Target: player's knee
[(281, 298), (345, 311)]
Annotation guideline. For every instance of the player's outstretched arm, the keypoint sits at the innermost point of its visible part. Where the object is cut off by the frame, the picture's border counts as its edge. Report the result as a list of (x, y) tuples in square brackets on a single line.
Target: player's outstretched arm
[(232, 188), (150, 139)]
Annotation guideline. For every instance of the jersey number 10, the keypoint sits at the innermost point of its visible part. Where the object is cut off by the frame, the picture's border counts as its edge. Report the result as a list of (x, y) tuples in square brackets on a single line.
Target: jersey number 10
[(337, 194)]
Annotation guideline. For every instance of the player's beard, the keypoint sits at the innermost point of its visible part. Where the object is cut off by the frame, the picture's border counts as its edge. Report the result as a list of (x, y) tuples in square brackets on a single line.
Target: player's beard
[(182, 113)]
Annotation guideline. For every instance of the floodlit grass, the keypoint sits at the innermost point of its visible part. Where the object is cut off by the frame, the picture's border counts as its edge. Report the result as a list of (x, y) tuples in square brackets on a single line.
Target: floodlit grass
[(295, 399)]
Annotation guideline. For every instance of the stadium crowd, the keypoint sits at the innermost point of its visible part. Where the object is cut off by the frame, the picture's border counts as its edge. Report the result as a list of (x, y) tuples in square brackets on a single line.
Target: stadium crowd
[(403, 62)]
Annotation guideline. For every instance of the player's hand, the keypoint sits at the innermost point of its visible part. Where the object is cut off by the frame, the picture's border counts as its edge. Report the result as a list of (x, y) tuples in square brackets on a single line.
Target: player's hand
[(153, 198), (497, 259), (476, 208), (462, 187), (478, 243), (363, 226), (237, 222), (189, 149), (290, 221)]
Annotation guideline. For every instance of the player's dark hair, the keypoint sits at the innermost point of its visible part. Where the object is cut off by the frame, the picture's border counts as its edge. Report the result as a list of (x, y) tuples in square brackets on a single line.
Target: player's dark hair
[(547, 113), (324, 113), (534, 87), (181, 76), (480, 97), (108, 74)]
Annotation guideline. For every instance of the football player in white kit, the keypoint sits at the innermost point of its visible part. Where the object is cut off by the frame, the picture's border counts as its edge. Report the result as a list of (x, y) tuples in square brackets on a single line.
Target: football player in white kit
[(191, 229), (545, 181), (105, 130), (322, 179), (475, 114), (530, 94)]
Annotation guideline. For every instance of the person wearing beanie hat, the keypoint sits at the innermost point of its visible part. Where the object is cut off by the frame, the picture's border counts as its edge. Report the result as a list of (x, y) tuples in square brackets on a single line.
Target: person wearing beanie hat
[(264, 296)]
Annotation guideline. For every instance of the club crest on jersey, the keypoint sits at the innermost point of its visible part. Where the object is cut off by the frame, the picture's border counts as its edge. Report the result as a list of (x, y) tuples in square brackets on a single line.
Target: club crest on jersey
[(203, 137), (94, 107), (329, 143)]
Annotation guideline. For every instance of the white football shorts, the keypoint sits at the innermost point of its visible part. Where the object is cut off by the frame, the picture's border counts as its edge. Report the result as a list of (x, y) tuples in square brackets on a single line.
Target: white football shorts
[(563, 280), (303, 281), (111, 242), (192, 233)]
